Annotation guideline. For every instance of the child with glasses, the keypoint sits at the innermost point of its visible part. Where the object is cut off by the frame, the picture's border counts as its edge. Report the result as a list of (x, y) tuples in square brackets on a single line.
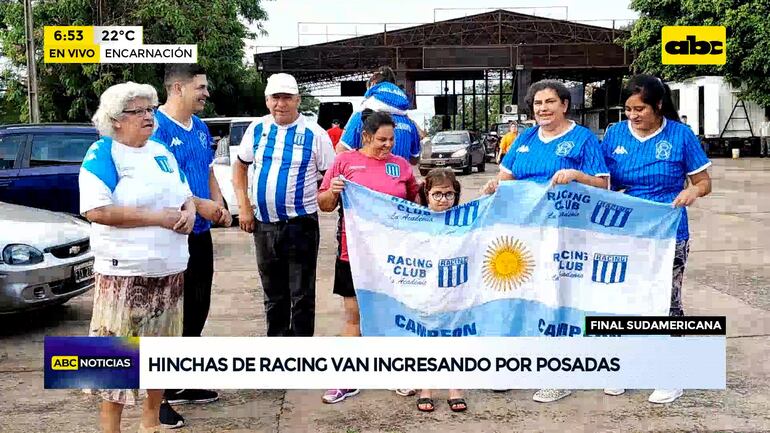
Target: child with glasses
[(440, 192)]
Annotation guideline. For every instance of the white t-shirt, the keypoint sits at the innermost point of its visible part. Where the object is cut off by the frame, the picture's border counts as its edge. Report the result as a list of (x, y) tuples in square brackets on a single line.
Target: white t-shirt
[(147, 177)]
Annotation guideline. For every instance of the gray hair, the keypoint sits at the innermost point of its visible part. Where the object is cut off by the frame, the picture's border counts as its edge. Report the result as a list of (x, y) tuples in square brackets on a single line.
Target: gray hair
[(115, 99)]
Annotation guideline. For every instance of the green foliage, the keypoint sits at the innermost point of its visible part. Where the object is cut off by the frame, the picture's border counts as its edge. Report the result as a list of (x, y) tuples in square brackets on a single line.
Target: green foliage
[(70, 92), (748, 40)]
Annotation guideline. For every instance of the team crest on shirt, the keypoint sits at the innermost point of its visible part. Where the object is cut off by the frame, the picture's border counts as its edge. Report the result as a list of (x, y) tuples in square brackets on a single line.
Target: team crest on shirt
[(202, 138), (663, 150), (392, 170), (564, 148), (163, 164), (299, 139)]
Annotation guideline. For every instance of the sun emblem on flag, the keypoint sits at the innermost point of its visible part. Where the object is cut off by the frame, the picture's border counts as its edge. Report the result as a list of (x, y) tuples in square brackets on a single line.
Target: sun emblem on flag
[(507, 264)]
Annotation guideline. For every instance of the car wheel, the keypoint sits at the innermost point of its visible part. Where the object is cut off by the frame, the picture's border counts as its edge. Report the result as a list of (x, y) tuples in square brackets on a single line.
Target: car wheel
[(468, 167)]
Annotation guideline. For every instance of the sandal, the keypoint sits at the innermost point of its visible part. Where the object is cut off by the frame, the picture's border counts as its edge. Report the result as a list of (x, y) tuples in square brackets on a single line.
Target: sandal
[(425, 401), (457, 402)]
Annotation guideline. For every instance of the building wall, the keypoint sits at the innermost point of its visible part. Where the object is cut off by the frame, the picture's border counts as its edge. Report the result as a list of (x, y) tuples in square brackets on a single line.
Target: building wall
[(719, 100)]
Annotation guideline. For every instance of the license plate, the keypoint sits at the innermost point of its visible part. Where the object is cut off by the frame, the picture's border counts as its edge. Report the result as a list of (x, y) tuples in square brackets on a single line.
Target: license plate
[(83, 271), (440, 163)]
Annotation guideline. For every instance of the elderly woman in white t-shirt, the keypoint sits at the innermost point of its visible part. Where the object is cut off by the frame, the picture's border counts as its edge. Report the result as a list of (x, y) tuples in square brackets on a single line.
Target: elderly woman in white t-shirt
[(141, 207)]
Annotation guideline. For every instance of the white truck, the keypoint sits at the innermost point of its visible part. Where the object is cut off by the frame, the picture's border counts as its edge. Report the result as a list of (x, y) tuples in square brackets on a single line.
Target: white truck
[(718, 116)]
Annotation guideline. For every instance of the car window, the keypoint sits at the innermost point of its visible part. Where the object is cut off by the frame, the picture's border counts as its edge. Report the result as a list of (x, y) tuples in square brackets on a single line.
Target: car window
[(9, 149), (451, 138), (59, 149), (236, 132)]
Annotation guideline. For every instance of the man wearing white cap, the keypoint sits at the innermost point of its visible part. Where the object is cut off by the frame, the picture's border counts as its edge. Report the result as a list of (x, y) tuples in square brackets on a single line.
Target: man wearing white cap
[(288, 151)]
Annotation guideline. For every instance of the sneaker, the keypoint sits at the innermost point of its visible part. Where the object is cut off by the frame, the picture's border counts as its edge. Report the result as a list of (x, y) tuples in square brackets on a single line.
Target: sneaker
[(337, 395), (169, 418), (614, 391), (662, 396), (406, 392), (550, 395), (184, 396)]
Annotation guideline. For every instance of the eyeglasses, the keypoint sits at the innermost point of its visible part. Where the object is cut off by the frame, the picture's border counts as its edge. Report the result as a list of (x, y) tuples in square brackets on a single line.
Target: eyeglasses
[(141, 111), (439, 195)]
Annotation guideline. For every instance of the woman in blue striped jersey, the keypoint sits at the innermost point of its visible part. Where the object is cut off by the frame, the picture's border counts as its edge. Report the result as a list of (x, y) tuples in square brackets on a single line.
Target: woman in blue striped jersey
[(558, 151), (652, 155)]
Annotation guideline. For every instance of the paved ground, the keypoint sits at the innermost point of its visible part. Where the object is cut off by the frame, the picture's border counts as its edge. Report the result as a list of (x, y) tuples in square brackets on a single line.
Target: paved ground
[(726, 275)]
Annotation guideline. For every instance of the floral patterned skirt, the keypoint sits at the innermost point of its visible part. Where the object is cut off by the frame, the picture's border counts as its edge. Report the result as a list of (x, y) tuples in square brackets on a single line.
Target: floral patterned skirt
[(136, 307)]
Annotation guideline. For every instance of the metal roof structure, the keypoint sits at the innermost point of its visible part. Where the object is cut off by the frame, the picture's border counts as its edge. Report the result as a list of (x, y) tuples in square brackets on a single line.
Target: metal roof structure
[(463, 48)]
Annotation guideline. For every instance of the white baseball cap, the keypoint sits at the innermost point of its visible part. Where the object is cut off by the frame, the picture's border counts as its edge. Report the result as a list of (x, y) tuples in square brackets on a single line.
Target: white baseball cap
[(281, 83)]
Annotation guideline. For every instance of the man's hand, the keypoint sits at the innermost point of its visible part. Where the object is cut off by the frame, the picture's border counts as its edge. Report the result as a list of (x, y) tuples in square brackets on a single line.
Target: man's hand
[(225, 219), (246, 219), (209, 209)]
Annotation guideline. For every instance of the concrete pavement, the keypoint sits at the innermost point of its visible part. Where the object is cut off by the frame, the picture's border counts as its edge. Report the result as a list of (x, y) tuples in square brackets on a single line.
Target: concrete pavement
[(726, 275)]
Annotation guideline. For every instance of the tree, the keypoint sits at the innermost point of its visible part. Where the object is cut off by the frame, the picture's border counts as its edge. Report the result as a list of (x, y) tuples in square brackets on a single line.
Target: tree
[(748, 41), (71, 91), (309, 103)]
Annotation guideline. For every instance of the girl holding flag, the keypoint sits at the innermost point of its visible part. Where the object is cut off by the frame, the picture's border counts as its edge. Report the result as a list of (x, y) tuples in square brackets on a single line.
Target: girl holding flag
[(441, 191)]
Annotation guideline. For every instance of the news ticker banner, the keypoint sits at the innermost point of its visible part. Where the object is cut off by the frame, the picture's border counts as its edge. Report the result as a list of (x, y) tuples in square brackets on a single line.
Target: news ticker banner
[(640, 362), (109, 44)]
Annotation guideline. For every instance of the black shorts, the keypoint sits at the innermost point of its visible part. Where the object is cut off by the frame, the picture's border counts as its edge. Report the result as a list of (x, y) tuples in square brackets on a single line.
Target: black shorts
[(343, 280)]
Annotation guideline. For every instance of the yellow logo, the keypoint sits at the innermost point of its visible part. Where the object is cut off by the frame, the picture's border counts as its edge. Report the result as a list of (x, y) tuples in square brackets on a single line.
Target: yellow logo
[(507, 264), (64, 362), (693, 45)]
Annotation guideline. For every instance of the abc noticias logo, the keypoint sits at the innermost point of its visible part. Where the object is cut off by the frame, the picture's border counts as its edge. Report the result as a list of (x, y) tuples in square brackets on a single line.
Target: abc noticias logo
[(693, 45), (74, 362)]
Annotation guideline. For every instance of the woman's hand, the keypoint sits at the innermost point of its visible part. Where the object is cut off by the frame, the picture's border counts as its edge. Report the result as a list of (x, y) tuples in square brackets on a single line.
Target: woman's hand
[(490, 187), (686, 197), (185, 223), (337, 186), (565, 176), (168, 218)]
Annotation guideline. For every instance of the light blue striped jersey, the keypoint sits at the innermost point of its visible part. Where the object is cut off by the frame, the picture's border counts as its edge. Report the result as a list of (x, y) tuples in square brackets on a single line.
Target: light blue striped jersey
[(654, 167), (191, 147), (536, 158), (287, 160), (390, 98)]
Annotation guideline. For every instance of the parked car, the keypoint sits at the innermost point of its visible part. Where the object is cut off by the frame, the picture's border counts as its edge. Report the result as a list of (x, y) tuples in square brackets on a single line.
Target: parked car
[(45, 258), (39, 164), (226, 152), (456, 149)]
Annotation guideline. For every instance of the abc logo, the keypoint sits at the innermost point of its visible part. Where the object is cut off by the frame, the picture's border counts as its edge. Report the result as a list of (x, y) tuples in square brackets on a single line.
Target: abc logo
[(693, 45), (64, 362)]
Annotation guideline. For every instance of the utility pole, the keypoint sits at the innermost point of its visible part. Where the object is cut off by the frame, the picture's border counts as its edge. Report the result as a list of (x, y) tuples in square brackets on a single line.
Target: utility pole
[(34, 110)]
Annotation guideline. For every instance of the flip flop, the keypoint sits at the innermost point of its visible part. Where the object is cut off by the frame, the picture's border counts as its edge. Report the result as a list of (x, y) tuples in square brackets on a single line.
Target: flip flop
[(456, 402), (424, 401)]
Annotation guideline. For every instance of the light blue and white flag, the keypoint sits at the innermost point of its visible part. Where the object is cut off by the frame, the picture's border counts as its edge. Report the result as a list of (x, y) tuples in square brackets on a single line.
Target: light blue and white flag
[(529, 260)]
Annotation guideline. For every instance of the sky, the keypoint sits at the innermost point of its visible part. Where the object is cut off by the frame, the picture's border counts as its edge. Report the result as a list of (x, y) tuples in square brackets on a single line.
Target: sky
[(292, 23)]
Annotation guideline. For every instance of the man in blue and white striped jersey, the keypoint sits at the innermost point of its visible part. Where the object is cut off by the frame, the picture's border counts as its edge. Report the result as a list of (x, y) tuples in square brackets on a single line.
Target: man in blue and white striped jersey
[(288, 151)]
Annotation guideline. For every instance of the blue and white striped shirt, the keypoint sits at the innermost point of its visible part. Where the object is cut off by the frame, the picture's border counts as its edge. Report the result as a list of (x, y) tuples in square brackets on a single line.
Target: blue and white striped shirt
[(191, 147), (287, 160), (654, 167), (390, 98), (537, 158)]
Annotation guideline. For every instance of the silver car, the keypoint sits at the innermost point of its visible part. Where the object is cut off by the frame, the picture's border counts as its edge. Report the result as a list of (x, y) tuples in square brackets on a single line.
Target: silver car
[(45, 258)]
